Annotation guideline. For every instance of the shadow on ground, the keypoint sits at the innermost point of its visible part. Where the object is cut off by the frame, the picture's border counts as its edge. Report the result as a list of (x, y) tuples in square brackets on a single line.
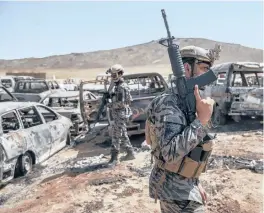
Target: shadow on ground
[(101, 145), (247, 124)]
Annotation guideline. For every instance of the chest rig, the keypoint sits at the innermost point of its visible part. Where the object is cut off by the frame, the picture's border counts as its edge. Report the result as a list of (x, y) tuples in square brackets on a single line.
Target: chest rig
[(191, 165), (119, 93)]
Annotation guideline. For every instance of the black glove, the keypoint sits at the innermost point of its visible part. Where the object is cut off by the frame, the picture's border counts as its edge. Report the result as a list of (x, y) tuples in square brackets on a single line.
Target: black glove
[(112, 94)]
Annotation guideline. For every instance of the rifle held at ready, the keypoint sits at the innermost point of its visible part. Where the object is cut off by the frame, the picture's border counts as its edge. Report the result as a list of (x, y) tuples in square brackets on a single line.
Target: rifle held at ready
[(104, 100), (184, 87)]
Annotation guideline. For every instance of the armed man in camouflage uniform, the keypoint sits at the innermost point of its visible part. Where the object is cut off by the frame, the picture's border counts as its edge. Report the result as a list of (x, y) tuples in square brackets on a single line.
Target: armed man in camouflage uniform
[(180, 151), (121, 112)]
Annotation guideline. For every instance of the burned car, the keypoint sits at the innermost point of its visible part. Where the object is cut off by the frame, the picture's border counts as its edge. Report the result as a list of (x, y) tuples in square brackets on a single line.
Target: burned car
[(5, 95), (99, 85), (35, 89), (66, 84), (8, 82), (238, 91), (29, 134), (143, 88), (67, 104)]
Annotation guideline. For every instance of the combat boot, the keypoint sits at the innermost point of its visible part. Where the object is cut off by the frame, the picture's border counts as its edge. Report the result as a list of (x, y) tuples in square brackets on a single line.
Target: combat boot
[(129, 156), (114, 157)]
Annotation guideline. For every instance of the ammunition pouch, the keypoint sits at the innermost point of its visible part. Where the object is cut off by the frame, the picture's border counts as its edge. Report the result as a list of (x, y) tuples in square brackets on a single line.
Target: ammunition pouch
[(152, 135), (192, 165)]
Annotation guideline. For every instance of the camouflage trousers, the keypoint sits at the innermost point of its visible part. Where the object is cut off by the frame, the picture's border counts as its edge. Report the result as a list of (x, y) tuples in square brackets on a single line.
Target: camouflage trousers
[(119, 131), (187, 206)]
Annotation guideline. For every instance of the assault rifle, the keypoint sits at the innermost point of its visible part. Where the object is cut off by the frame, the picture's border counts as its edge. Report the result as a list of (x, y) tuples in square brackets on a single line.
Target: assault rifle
[(184, 87), (106, 95)]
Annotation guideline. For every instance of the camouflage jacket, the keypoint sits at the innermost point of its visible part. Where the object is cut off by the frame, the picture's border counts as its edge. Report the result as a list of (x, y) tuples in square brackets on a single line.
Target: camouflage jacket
[(121, 98), (175, 140)]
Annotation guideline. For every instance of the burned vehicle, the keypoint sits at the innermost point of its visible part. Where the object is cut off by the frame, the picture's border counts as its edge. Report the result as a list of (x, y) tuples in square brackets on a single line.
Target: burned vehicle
[(99, 85), (143, 88), (29, 134), (35, 89), (238, 91), (8, 82), (5, 95), (67, 103), (67, 84)]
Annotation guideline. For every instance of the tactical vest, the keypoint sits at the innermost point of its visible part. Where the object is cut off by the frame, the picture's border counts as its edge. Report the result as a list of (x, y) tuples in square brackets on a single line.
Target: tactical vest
[(190, 166), (121, 97)]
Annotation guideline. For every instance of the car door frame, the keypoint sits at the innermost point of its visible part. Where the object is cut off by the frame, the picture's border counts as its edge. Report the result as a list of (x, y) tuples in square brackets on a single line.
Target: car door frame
[(57, 129), (16, 135), (36, 138)]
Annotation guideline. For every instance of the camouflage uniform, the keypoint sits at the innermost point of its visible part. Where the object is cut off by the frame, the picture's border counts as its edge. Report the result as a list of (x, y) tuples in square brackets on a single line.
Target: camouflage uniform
[(121, 112), (175, 140), (172, 140)]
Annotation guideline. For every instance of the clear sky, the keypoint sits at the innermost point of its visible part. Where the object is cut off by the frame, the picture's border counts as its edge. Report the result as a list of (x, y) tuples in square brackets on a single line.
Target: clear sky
[(39, 29)]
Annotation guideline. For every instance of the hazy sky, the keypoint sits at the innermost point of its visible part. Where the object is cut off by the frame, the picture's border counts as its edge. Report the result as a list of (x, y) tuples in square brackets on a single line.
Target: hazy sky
[(39, 29)]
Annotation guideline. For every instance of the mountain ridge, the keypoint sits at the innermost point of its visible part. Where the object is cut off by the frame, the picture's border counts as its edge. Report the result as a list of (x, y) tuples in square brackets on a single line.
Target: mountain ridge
[(148, 53)]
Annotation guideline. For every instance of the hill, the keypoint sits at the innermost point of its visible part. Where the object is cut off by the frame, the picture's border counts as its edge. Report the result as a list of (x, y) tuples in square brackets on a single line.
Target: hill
[(138, 55)]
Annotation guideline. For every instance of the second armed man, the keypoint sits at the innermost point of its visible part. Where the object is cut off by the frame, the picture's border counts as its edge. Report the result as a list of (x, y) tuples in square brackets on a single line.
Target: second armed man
[(120, 110)]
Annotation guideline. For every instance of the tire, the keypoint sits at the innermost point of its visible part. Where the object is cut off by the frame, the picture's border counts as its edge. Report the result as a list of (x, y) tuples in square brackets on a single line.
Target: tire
[(218, 118), (25, 164), (68, 141)]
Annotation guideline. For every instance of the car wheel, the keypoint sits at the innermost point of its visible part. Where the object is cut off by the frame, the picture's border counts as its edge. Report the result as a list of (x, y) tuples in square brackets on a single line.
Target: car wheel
[(25, 164), (68, 141), (218, 118)]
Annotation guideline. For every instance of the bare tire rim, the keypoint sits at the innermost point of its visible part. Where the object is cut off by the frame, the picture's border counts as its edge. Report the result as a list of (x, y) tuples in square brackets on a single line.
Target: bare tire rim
[(27, 164)]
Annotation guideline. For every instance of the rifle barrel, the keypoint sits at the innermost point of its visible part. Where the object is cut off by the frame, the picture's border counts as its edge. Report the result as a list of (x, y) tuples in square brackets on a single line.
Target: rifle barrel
[(169, 39)]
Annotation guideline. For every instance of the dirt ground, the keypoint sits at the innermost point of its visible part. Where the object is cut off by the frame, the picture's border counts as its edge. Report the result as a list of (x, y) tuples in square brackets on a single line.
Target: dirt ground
[(90, 187)]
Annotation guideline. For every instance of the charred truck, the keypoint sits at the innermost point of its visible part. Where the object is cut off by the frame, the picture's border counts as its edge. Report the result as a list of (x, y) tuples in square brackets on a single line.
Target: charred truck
[(143, 88), (238, 92)]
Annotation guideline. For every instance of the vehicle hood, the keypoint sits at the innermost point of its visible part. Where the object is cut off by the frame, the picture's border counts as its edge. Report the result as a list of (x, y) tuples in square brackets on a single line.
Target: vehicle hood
[(66, 111), (31, 96)]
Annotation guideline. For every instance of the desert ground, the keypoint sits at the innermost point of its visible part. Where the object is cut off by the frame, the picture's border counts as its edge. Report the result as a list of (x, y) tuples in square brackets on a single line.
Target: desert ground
[(90, 74), (76, 179)]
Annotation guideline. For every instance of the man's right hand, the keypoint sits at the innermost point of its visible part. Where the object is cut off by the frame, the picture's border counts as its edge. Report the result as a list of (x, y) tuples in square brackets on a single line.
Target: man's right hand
[(204, 107)]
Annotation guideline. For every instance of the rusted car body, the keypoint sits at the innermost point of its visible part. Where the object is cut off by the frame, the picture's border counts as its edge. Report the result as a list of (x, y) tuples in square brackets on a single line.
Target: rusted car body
[(237, 92), (29, 134), (143, 87), (35, 89), (67, 103), (89, 107)]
